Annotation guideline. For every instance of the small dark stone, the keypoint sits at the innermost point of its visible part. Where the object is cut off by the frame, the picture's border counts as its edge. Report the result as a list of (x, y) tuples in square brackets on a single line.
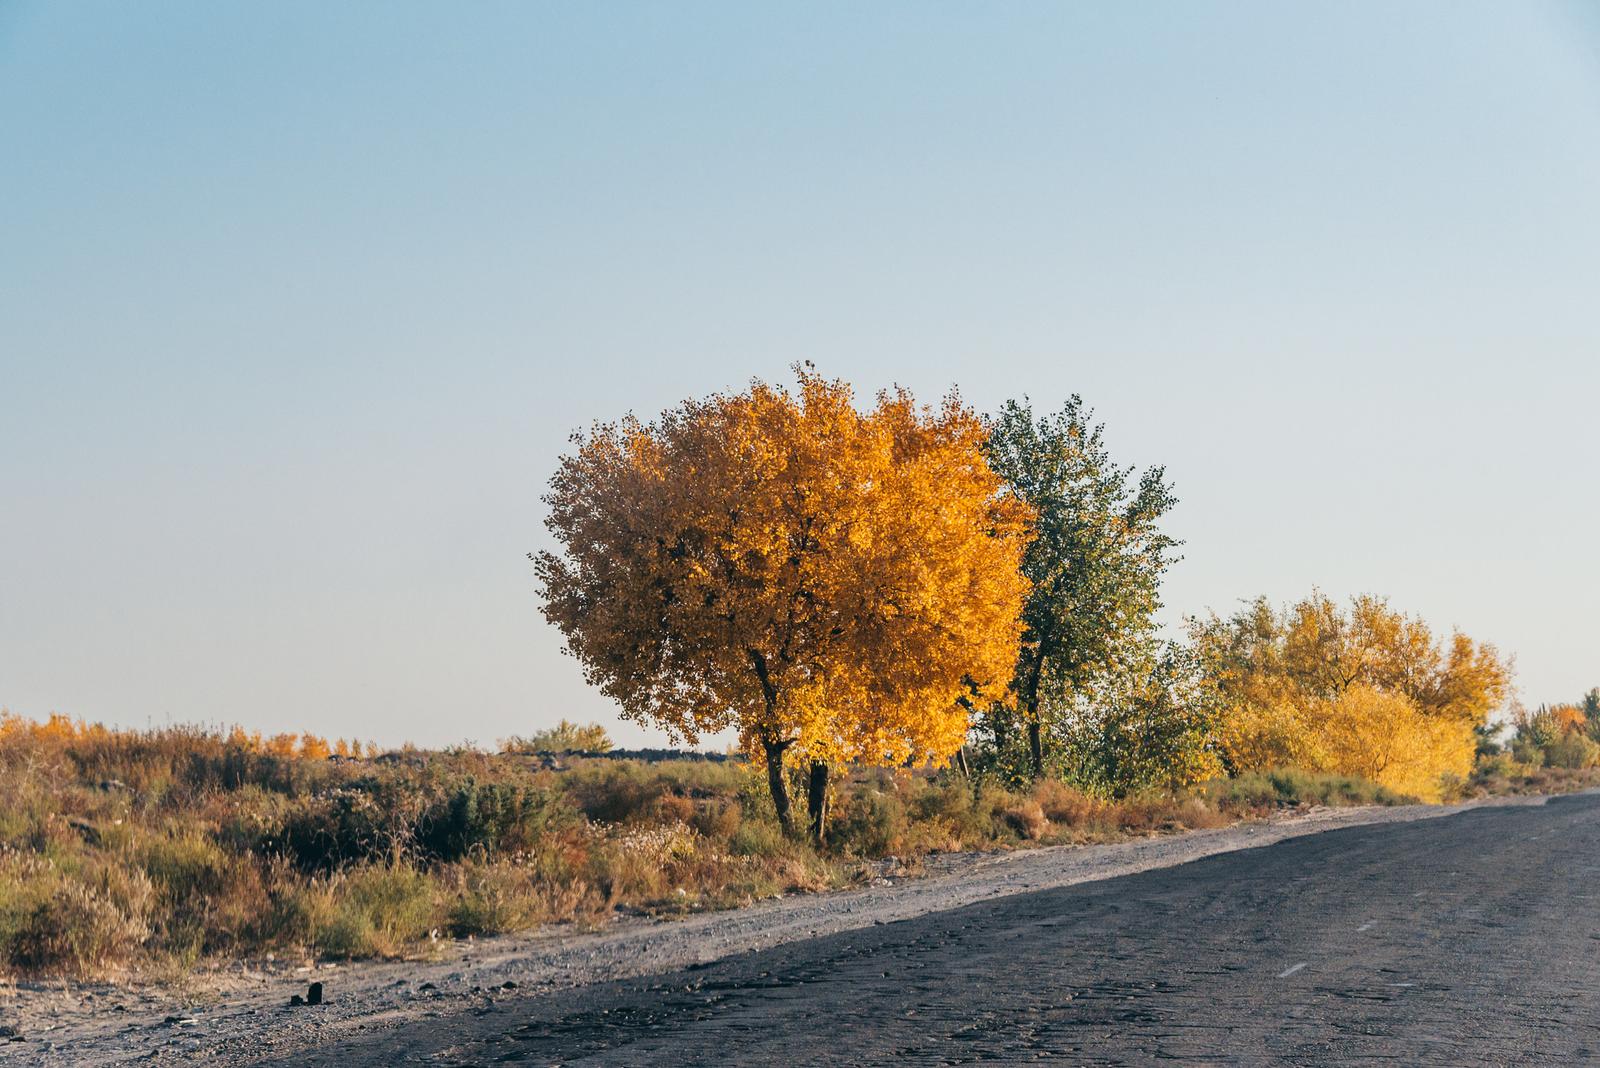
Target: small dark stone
[(295, 1000), (508, 985), (314, 994), (427, 986), (9, 1032)]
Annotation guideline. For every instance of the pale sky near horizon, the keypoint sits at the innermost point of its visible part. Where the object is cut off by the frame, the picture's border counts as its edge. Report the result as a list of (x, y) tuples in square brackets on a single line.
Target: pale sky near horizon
[(300, 302)]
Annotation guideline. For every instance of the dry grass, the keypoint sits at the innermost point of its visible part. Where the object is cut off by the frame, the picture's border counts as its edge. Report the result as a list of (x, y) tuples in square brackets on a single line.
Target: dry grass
[(151, 851)]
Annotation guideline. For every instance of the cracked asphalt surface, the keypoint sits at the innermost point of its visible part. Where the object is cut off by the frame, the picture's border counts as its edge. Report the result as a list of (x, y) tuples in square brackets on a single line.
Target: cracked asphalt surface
[(1463, 941)]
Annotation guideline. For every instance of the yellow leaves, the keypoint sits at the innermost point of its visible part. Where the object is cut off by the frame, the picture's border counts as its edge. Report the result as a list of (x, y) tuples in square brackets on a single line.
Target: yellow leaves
[(1568, 719), (60, 729), (787, 563), (1383, 737), (1362, 691), (1386, 738), (1327, 650), (57, 729), (1272, 733)]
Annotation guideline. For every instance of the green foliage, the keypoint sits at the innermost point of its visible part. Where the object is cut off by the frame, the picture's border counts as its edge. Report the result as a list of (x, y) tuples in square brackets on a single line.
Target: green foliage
[(564, 737), (185, 868), (379, 817), (360, 821), (485, 819), (1154, 729), (757, 838), (1559, 736), (378, 911), (1572, 750), (1094, 566), (1000, 746), (1291, 786), (870, 825), (1591, 712)]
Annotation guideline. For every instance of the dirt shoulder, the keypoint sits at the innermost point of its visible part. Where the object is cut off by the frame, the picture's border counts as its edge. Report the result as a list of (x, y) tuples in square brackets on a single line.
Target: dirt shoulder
[(238, 1016)]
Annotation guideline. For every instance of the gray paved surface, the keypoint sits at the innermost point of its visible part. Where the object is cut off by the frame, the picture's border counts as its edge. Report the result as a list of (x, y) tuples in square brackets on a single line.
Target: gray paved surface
[(1469, 940)]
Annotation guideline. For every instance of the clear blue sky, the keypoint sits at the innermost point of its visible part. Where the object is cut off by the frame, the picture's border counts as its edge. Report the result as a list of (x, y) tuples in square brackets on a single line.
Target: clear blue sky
[(299, 303)]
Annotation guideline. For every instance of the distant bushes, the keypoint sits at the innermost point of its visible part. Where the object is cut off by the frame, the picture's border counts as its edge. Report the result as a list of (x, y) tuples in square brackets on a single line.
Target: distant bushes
[(564, 737), (1560, 736)]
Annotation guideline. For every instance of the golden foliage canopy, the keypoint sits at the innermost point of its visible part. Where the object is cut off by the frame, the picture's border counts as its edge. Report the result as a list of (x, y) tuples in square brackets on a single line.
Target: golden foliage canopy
[(1568, 718), (781, 562), (1314, 647), (1381, 736), (1362, 691)]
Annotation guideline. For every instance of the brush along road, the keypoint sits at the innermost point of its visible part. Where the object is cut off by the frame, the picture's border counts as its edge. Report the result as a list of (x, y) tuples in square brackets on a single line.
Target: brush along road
[(1111, 953)]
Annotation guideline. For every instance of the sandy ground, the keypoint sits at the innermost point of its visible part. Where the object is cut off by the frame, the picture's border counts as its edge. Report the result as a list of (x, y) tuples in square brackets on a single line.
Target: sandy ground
[(241, 1015)]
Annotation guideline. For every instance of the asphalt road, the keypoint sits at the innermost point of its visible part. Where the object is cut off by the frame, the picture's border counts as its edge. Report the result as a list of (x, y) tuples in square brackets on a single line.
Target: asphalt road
[(1467, 940)]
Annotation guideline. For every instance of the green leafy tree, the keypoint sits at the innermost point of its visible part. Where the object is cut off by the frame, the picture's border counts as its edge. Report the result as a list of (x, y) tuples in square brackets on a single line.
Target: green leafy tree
[(1149, 728), (1094, 566)]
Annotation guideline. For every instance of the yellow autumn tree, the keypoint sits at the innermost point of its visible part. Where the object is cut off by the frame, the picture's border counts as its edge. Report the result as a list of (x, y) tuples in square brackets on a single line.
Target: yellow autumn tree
[(1568, 718), (1364, 690), (838, 585), (1386, 738)]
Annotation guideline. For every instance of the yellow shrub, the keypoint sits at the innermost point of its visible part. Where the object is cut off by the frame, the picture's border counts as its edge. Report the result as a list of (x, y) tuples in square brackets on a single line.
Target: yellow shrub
[(1270, 735), (1380, 736), (1384, 737)]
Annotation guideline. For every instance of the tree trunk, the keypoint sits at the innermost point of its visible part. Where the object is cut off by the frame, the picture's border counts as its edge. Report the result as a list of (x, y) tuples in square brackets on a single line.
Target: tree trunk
[(1000, 725), (1036, 743), (773, 747), (1028, 701), (961, 763), (817, 800), (778, 784), (1035, 728)]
